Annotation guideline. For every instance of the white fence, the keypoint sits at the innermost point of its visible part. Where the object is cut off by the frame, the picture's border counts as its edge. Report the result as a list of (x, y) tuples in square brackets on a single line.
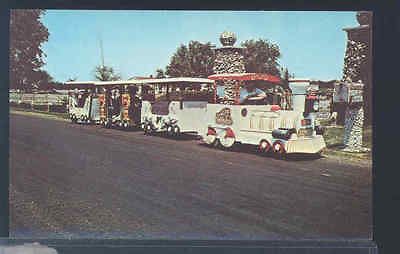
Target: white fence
[(38, 99)]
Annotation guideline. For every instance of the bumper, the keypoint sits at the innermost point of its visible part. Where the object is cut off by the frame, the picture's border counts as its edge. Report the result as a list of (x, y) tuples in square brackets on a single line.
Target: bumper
[(306, 145)]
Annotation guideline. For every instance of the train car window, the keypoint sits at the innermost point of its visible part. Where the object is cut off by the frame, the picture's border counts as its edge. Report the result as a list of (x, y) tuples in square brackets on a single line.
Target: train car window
[(81, 98)]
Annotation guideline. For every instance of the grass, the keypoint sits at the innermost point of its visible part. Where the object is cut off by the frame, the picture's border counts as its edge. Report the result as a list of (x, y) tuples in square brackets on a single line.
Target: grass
[(58, 114), (334, 142)]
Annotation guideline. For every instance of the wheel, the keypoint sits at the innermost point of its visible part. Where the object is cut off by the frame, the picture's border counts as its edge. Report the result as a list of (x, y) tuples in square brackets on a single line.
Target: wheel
[(228, 139), (73, 119), (107, 124), (170, 130), (279, 149), (264, 146), (148, 130), (176, 131), (210, 139), (211, 136), (227, 142)]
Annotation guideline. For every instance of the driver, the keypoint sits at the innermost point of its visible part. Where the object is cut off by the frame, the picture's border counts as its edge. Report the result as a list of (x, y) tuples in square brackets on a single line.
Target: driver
[(251, 92)]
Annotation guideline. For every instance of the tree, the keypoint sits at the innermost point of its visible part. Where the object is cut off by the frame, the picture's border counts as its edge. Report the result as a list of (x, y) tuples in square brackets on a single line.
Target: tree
[(285, 78), (197, 59), (261, 56), (44, 80), (160, 73), (105, 73), (72, 79), (194, 60), (27, 33)]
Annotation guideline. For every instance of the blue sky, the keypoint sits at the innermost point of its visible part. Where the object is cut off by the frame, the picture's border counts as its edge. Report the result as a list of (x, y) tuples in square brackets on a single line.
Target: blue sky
[(136, 43)]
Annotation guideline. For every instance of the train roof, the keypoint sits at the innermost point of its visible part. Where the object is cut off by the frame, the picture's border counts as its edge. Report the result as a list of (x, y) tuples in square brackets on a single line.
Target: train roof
[(153, 81), (173, 80), (78, 84)]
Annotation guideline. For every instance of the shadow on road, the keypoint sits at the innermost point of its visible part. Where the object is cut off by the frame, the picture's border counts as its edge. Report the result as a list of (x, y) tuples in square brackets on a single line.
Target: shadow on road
[(181, 137), (252, 149)]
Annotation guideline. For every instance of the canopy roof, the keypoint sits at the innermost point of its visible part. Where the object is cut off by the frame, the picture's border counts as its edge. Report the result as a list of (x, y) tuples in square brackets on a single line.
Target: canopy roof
[(78, 84), (246, 77), (178, 81)]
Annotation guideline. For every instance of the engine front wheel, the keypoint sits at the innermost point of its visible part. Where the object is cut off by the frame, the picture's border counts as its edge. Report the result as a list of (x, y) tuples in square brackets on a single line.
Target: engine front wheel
[(210, 139)]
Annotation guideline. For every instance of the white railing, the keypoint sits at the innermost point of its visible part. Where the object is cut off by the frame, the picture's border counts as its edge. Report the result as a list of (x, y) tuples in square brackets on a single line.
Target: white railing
[(37, 99)]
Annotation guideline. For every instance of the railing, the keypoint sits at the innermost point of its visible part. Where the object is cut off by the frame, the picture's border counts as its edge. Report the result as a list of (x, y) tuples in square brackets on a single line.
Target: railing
[(47, 102)]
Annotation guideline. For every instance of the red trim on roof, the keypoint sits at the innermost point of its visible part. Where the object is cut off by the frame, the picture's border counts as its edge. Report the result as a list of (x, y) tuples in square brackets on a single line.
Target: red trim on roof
[(245, 77)]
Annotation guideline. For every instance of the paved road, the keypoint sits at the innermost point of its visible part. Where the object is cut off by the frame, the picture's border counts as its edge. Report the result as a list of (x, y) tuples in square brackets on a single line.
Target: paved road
[(86, 181)]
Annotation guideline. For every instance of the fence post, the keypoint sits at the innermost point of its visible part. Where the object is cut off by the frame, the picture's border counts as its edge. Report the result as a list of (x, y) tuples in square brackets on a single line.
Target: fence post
[(48, 103), (33, 98)]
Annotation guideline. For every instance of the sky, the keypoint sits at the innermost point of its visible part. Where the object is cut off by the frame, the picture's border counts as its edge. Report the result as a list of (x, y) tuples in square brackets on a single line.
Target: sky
[(136, 43)]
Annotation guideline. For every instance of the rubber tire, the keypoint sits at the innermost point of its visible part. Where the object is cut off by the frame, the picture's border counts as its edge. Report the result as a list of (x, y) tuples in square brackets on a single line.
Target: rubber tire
[(176, 131), (147, 129), (170, 132), (210, 140), (266, 150), (281, 154), (227, 143)]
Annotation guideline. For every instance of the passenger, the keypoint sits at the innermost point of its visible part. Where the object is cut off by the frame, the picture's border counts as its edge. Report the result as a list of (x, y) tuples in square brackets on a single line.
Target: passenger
[(250, 91)]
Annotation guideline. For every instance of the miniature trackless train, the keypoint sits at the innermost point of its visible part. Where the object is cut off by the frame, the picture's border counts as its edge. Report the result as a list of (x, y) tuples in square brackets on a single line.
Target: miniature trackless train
[(260, 113), (258, 120)]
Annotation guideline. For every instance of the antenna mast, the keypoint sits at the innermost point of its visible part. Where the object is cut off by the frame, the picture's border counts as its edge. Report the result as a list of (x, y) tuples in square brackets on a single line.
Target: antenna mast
[(101, 52)]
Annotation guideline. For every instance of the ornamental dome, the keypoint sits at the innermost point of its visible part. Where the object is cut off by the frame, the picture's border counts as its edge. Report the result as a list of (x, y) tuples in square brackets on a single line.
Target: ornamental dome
[(227, 38)]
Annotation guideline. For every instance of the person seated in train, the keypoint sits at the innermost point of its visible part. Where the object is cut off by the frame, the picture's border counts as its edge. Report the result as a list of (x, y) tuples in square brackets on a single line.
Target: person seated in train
[(250, 91)]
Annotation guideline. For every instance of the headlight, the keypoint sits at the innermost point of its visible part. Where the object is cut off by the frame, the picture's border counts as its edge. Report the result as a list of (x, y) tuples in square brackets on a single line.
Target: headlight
[(316, 105)]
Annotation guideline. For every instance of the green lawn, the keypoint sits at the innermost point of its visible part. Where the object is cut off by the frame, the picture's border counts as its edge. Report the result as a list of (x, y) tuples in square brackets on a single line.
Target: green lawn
[(334, 141), (61, 115)]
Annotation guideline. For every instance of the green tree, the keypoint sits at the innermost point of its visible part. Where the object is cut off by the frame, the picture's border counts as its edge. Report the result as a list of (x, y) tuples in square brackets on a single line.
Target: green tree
[(105, 73), (44, 80), (160, 73), (194, 60), (261, 56), (285, 77), (72, 79), (27, 34)]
